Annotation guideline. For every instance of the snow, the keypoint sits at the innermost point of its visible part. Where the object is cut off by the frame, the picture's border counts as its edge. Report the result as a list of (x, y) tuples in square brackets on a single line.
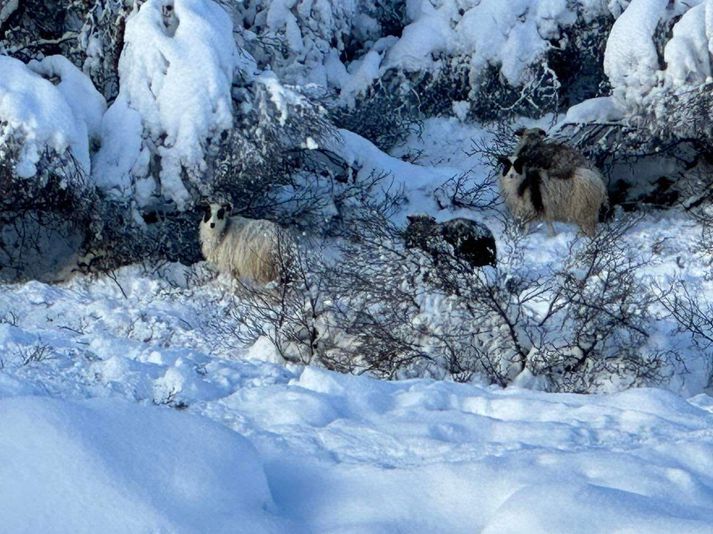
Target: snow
[(113, 466), (423, 39), (178, 86), (630, 59), (88, 105), (340, 453), (42, 114), (364, 72), (126, 404), (602, 109), (687, 54)]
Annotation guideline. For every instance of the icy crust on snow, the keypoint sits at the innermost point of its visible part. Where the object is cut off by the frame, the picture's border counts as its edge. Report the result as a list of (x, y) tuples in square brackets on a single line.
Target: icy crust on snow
[(114, 467), (39, 113), (178, 86)]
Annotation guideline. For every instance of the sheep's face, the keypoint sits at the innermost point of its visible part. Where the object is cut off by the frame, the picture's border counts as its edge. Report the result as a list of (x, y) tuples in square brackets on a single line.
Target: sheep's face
[(512, 169), (216, 216)]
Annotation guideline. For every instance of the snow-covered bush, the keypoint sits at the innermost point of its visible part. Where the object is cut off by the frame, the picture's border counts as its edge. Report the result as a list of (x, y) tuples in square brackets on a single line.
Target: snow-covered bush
[(50, 104), (262, 161), (383, 66), (174, 103), (87, 32), (512, 58), (297, 38), (658, 62), (45, 219), (100, 41), (49, 115)]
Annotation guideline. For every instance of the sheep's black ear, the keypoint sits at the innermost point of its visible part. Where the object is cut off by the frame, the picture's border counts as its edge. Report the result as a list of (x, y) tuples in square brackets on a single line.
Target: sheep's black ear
[(506, 163), (520, 131), (518, 164), (206, 212)]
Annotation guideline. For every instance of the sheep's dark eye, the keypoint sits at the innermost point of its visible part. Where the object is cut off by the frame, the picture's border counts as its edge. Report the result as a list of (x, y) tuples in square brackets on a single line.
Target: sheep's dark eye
[(206, 216), (168, 8), (221, 213)]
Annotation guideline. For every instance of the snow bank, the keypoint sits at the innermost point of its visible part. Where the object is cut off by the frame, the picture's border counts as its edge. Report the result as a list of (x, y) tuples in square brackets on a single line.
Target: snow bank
[(630, 59), (416, 181), (61, 115), (562, 507), (688, 53), (602, 109), (110, 466), (175, 80)]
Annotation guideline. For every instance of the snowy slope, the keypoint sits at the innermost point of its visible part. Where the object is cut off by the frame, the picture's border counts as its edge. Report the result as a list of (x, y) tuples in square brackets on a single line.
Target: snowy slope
[(117, 467), (127, 405), (342, 453)]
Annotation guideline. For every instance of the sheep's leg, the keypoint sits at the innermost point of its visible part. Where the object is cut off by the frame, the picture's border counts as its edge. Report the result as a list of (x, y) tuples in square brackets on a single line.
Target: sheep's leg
[(551, 229), (590, 228)]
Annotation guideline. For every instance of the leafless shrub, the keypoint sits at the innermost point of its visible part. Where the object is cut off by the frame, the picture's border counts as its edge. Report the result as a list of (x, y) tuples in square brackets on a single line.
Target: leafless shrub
[(35, 353), (10, 318), (259, 160), (374, 306), (288, 313), (468, 190), (538, 95), (693, 315), (689, 306), (606, 311), (386, 114), (472, 190), (44, 220)]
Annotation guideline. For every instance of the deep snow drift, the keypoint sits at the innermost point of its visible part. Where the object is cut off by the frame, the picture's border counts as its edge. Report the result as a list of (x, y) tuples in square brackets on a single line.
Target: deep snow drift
[(351, 454), (111, 466)]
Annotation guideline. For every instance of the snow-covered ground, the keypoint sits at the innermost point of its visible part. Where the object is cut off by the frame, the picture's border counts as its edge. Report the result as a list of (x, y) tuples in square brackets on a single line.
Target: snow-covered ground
[(127, 406)]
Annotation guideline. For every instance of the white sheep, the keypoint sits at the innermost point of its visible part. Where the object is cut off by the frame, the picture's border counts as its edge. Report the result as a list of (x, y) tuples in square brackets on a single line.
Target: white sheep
[(246, 248), (531, 194)]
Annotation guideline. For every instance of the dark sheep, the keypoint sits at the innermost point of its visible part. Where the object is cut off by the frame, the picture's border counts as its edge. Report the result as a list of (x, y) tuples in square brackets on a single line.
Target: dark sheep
[(472, 241), (559, 160)]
